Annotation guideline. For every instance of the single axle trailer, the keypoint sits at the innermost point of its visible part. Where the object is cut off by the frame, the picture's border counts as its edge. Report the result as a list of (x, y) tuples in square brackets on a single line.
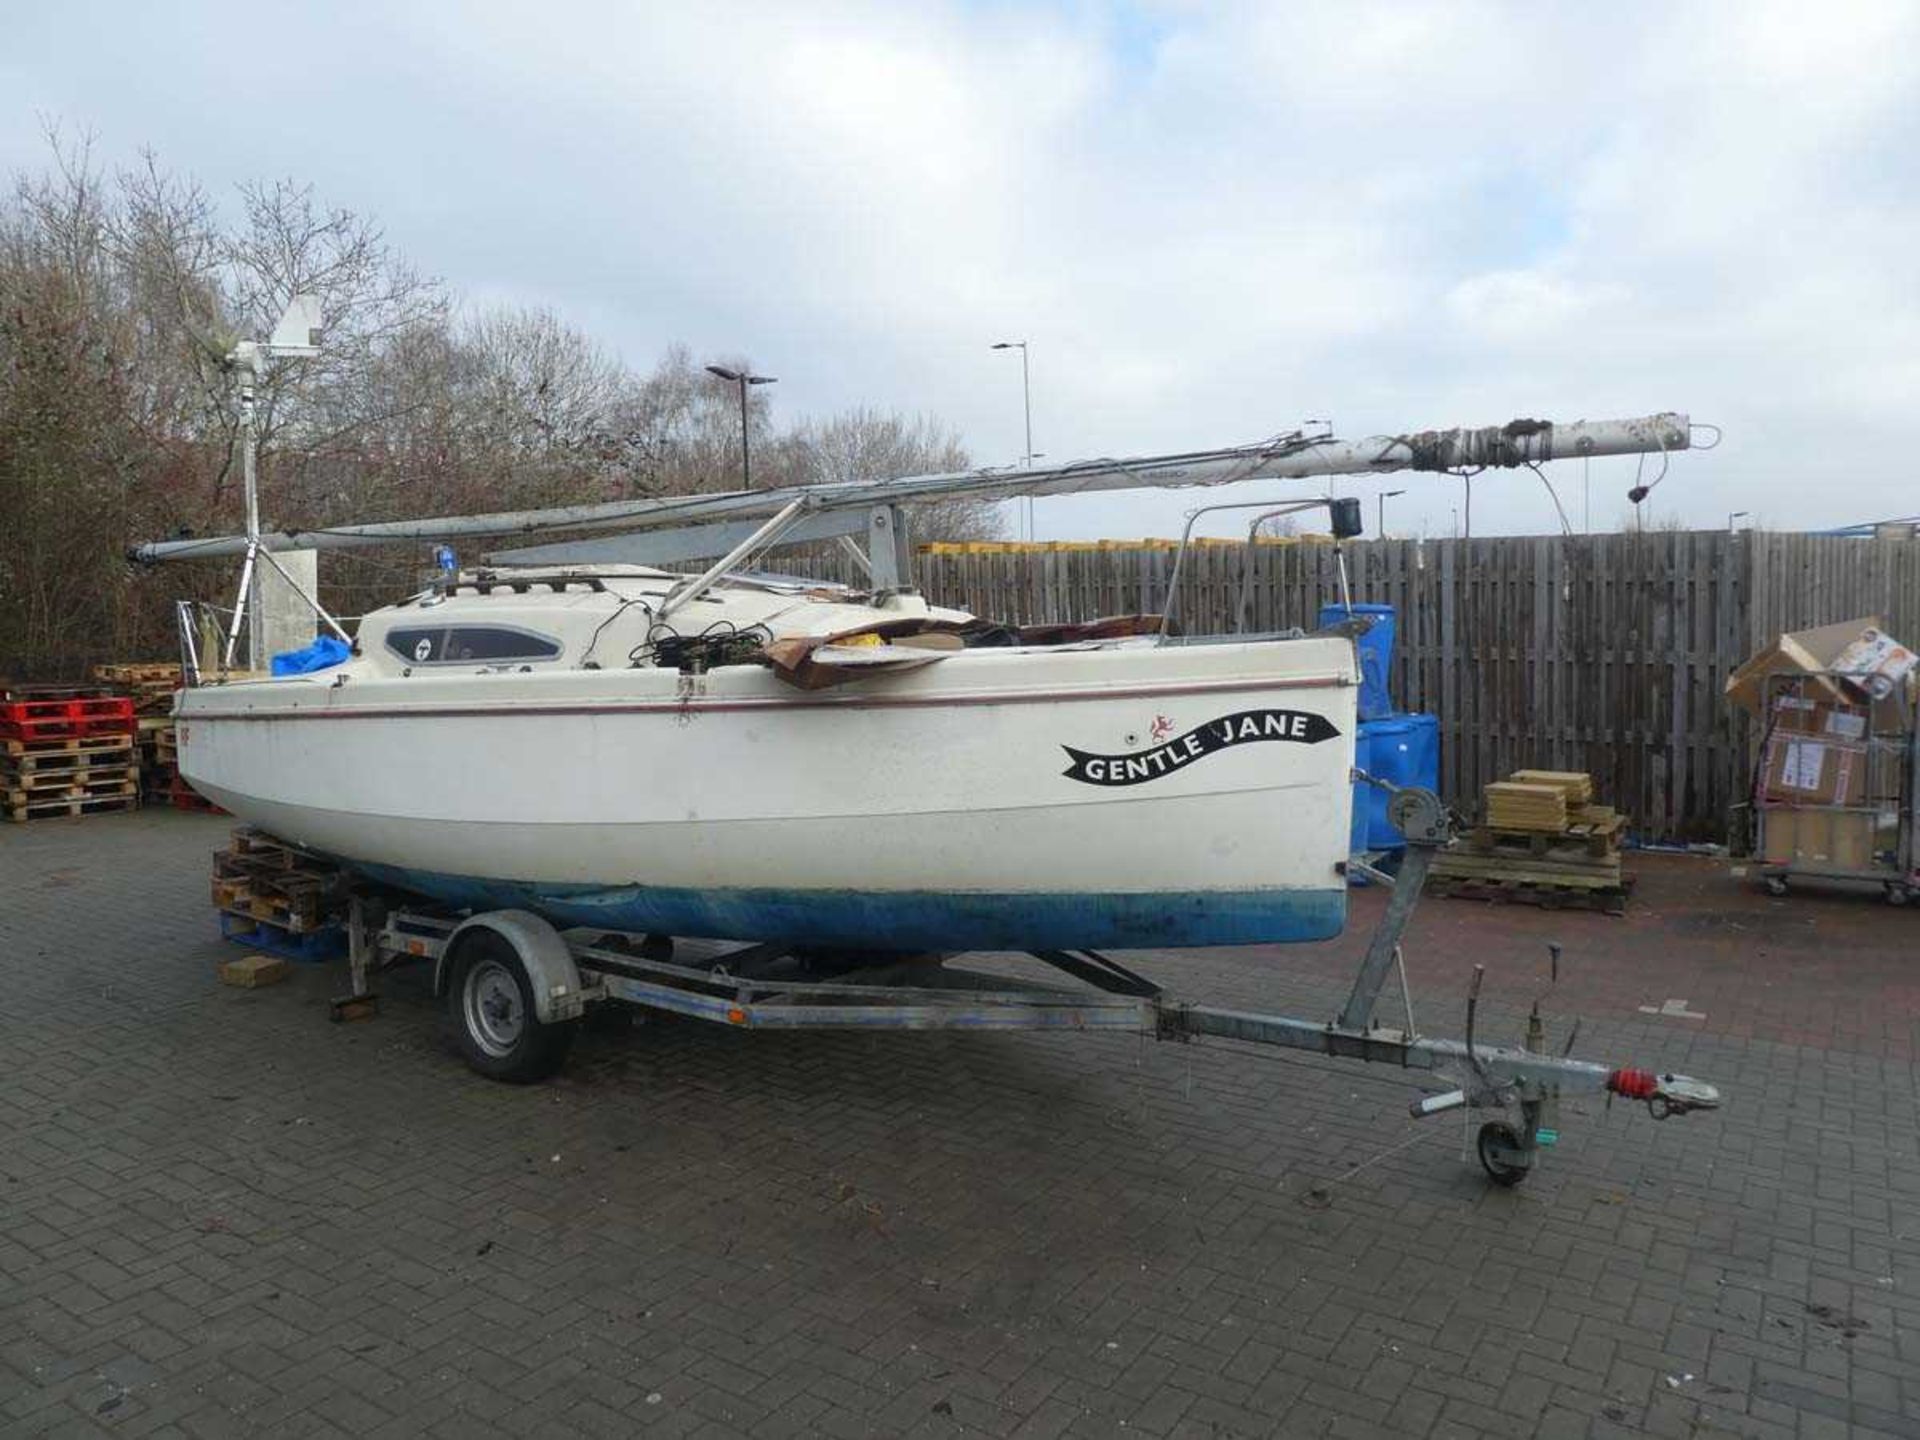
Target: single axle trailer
[(516, 988)]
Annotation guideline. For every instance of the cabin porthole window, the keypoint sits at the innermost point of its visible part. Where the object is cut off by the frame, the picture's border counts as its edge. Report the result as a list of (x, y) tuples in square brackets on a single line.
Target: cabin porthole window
[(469, 644)]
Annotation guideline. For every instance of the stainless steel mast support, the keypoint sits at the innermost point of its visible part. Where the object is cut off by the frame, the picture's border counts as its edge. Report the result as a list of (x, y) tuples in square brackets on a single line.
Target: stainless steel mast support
[(312, 604), (183, 622), (889, 562), (241, 610), (764, 536)]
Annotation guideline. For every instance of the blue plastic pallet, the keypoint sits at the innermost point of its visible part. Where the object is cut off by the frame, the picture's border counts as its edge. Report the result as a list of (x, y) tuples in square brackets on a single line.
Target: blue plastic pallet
[(311, 947)]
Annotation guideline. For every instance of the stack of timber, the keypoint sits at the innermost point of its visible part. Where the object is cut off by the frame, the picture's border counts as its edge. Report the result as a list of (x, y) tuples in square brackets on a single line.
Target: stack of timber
[(66, 750), (1544, 842), (150, 685), (279, 898), (1511, 805)]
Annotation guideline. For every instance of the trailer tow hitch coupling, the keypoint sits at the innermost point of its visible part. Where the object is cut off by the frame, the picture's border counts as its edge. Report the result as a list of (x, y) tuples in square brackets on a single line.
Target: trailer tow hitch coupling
[(1665, 1094)]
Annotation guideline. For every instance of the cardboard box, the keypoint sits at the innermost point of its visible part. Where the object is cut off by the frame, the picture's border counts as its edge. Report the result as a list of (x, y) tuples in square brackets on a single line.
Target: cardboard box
[(1877, 665), (1830, 719), (1813, 770), (1819, 839)]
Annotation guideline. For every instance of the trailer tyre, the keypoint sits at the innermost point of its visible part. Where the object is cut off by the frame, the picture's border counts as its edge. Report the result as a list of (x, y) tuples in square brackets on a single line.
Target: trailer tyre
[(1776, 884), (491, 1014), (1494, 1136)]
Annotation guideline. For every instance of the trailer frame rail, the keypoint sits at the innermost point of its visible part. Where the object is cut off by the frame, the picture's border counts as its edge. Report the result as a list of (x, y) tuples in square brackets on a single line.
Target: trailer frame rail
[(773, 986)]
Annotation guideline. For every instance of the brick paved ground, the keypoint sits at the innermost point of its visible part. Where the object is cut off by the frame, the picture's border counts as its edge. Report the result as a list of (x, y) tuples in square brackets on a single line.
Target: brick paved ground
[(220, 1214)]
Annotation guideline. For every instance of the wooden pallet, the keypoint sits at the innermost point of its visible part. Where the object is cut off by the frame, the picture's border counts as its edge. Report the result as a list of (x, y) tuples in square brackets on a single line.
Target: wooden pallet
[(150, 686), (263, 878), (48, 694), (231, 898), (104, 757), (264, 849), (148, 672), (18, 747), (47, 784), (1566, 866), (1591, 837), (86, 805), (269, 877), (157, 780), (1609, 899)]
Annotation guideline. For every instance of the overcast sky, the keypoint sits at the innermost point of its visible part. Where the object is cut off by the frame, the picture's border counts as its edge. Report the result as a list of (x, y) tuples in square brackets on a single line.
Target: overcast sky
[(1211, 222)]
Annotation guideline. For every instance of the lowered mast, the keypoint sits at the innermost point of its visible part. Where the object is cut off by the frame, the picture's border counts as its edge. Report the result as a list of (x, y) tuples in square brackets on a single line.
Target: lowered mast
[(1293, 456)]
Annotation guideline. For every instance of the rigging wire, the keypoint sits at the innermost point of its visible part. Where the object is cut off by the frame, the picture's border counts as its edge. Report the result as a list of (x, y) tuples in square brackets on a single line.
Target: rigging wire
[(1566, 526), (1640, 492)]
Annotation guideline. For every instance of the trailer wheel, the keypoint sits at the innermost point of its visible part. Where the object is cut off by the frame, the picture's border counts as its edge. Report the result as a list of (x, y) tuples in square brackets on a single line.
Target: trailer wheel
[(1898, 895), (1495, 1135), (1776, 884), (490, 1011)]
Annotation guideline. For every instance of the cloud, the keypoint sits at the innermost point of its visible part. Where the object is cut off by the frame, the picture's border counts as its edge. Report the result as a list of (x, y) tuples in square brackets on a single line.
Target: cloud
[(1212, 222)]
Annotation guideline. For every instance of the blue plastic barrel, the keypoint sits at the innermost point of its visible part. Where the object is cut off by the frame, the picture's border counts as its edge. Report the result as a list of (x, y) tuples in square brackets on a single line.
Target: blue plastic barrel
[(1376, 654), (1402, 750)]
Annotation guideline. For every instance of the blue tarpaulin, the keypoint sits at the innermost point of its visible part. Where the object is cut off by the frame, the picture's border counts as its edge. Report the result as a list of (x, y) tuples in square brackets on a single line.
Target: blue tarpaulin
[(1376, 653), (323, 654), (1403, 750)]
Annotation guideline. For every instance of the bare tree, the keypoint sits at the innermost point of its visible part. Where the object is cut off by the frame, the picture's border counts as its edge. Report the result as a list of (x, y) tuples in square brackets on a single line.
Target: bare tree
[(122, 295), (865, 444)]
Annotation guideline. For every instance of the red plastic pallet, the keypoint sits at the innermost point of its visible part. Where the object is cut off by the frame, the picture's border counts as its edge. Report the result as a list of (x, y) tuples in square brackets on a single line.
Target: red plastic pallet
[(51, 719), (184, 797)]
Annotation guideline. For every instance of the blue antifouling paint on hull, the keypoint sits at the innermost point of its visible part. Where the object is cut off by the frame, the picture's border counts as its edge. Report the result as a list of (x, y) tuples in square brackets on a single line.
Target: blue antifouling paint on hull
[(908, 920)]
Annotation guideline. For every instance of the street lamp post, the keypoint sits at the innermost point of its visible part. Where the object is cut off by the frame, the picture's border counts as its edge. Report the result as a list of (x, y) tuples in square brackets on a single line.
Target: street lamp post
[(1026, 405), (1382, 498), (743, 378), (1735, 516)]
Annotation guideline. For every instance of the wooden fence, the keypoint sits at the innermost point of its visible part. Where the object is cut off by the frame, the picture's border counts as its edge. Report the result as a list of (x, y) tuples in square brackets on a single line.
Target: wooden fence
[(1605, 653)]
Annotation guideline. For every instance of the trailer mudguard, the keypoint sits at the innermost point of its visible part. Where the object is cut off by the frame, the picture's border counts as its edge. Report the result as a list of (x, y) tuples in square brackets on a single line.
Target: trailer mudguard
[(538, 946)]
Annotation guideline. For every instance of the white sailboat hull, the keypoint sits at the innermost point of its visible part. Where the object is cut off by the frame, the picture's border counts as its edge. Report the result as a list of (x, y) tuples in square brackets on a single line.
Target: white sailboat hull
[(1123, 795)]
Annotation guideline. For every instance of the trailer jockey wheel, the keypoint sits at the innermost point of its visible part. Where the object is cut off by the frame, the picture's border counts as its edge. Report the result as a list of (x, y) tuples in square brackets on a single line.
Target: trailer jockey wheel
[(1776, 884), (1496, 1139)]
